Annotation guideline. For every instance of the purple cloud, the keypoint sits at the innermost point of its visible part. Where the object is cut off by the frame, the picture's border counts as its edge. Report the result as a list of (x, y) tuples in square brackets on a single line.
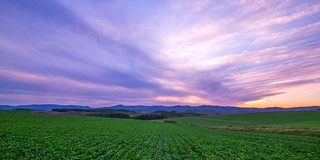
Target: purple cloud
[(156, 52)]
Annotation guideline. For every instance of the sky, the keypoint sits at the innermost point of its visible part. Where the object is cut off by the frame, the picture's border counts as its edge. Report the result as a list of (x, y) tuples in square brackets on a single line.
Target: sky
[(247, 53)]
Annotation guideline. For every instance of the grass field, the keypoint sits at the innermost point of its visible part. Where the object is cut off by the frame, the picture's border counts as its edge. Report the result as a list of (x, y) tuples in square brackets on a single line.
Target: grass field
[(27, 136), (302, 123), (289, 119)]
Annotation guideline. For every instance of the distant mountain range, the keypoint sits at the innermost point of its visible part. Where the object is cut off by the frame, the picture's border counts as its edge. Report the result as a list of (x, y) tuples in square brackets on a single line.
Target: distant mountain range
[(42, 107), (208, 109), (204, 109)]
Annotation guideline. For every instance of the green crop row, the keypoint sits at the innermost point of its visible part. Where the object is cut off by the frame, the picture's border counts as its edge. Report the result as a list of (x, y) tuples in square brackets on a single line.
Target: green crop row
[(27, 136), (277, 119)]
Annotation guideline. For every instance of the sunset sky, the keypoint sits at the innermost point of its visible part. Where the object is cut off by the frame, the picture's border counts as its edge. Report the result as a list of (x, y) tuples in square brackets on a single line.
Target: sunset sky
[(248, 53)]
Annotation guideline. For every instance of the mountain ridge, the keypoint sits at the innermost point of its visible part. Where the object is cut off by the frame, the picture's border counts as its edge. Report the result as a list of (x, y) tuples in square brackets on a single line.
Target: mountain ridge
[(202, 109)]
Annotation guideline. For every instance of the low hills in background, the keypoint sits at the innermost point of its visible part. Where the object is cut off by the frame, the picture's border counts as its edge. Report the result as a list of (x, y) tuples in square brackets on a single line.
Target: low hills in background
[(203, 109)]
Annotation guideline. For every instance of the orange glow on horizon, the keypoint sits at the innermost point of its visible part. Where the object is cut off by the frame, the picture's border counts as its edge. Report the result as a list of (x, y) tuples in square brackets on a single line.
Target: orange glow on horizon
[(305, 95), (194, 100)]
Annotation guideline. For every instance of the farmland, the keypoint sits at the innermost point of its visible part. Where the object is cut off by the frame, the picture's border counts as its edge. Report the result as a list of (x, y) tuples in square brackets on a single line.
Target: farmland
[(286, 119), (303, 123), (27, 136)]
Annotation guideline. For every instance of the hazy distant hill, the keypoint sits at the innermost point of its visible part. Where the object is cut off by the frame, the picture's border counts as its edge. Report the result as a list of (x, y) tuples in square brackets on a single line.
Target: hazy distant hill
[(204, 109), (7, 107), (43, 107)]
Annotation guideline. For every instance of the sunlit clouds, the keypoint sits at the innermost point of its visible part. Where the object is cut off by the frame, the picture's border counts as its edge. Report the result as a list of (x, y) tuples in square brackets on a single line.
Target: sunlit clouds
[(238, 53)]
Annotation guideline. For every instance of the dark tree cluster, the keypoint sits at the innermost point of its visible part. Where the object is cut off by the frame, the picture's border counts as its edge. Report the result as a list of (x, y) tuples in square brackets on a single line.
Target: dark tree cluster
[(110, 115)]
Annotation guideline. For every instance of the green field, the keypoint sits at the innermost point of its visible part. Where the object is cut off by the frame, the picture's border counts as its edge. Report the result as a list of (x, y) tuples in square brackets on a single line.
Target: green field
[(285, 119), (27, 136), (307, 123)]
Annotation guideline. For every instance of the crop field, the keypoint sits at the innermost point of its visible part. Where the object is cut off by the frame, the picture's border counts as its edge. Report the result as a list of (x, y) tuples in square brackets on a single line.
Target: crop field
[(283, 119), (27, 136), (298, 123)]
